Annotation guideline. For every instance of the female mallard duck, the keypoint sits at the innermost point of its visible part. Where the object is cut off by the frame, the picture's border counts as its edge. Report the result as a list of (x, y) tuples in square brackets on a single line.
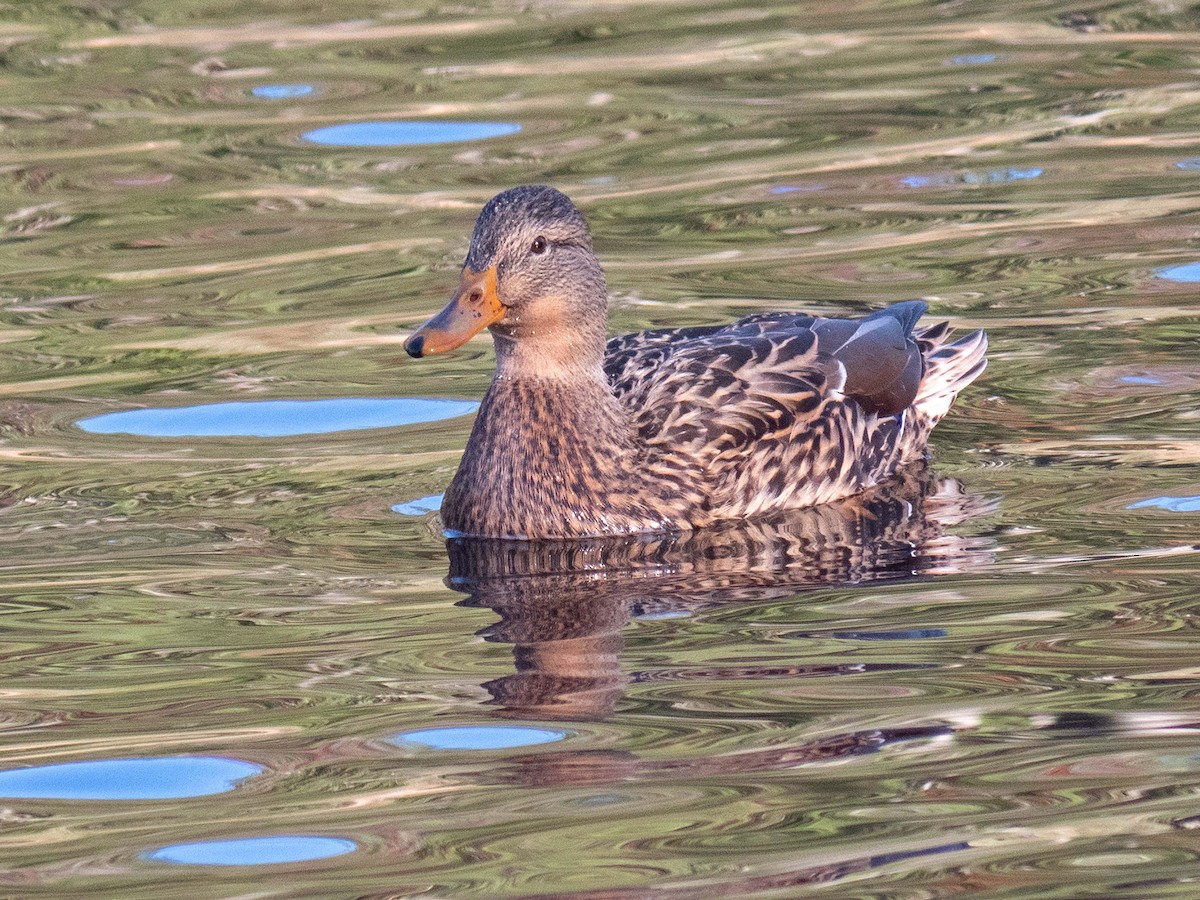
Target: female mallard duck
[(675, 428)]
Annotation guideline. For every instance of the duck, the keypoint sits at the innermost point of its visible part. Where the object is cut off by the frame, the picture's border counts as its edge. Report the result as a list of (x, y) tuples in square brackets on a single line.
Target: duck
[(673, 429)]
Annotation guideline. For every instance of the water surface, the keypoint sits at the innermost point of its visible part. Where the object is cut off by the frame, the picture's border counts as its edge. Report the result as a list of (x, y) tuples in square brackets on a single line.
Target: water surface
[(984, 685)]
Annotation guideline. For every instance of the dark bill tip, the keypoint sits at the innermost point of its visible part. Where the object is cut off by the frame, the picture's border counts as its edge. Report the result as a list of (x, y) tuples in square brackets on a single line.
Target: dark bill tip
[(415, 346)]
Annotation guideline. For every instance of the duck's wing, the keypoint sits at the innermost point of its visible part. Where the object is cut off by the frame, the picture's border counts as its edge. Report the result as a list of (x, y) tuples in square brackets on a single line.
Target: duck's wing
[(726, 390), (778, 406), (881, 357), (630, 357), (883, 360)]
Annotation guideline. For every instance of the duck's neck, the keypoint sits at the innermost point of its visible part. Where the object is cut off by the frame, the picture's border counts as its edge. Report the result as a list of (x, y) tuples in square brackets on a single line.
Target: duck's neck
[(569, 356)]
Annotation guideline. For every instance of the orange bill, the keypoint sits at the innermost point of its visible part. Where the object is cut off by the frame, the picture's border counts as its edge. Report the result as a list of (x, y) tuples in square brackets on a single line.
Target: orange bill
[(475, 305)]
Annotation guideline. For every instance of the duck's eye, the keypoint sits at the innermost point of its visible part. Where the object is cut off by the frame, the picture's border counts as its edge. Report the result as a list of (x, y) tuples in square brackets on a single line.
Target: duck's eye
[(538, 245)]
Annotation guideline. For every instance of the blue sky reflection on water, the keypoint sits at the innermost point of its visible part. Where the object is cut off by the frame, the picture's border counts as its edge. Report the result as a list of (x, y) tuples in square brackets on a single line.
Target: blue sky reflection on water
[(1186, 272), (973, 59), (277, 418), (281, 91), (1139, 379), (407, 134), (1172, 504), (254, 851), (420, 506), (479, 737), (996, 176), (154, 778)]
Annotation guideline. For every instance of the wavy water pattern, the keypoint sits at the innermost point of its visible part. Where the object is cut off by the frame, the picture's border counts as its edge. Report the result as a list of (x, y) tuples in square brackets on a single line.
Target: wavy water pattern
[(980, 682)]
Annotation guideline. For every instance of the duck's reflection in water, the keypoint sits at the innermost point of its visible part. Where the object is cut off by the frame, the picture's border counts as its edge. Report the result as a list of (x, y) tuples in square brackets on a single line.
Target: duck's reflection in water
[(564, 605)]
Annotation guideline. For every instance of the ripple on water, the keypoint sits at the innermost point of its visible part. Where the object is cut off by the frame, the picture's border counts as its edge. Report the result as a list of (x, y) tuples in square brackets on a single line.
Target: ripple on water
[(797, 188), (277, 418), (663, 614), (884, 859), (911, 634), (1139, 379), (139, 778), (995, 176), (919, 181), (281, 91), (401, 134), (1187, 272), (420, 506), (478, 737), (1000, 176), (152, 180), (256, 851)]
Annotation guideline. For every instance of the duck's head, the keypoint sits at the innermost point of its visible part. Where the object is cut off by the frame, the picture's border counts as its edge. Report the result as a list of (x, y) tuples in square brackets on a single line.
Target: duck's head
[(530, 275)]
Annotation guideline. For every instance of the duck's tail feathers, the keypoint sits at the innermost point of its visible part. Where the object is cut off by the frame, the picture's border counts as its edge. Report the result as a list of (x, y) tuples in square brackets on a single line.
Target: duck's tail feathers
[(948, 369)]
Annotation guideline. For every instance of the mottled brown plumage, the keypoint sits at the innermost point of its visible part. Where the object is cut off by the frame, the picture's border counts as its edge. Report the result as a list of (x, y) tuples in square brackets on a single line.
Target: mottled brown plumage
[(677, 428)]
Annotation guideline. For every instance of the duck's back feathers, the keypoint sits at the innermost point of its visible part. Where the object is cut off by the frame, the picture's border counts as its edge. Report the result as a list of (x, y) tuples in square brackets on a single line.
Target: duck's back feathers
[(715, 395)]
